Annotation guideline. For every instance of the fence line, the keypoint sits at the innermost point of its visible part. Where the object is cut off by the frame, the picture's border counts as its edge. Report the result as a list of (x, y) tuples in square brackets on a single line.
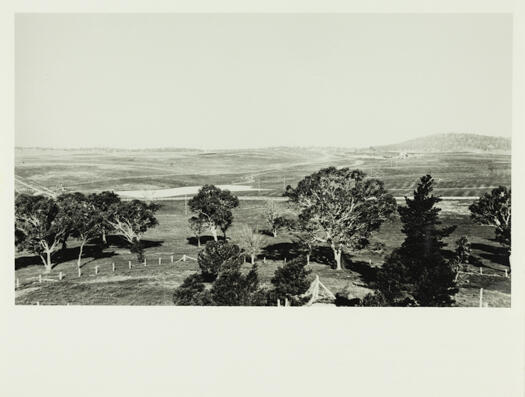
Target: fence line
[(506, 275), (112, 268)]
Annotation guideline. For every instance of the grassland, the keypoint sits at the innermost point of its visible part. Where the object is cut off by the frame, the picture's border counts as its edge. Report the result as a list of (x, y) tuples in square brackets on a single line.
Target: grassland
[(457, 174), (154, 284)]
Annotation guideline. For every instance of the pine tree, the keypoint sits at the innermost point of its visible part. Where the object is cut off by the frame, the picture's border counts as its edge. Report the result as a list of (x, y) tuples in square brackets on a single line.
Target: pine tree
[(417, 273)]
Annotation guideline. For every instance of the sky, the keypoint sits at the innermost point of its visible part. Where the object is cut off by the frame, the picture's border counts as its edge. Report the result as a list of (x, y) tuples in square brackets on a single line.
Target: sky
[(216, 81)]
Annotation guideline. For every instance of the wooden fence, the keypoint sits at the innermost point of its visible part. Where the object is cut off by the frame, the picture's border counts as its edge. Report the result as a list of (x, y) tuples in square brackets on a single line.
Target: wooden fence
[(129, 266)]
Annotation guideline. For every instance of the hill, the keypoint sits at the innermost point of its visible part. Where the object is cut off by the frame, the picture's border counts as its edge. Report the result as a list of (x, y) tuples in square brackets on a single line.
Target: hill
[(451, 142)]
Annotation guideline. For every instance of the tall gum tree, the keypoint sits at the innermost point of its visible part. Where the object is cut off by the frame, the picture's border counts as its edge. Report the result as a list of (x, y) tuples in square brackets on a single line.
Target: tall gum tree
[(213, 206), (82, 218), (131, 219), (40, 221), (341, 207)]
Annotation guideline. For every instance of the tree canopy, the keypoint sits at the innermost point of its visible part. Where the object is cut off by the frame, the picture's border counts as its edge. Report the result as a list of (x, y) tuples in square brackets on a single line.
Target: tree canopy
[(213, 257), (213, 206), (494, 209), (81, 217), (131, 219), (41, 226), (105, 202), (341, 207)]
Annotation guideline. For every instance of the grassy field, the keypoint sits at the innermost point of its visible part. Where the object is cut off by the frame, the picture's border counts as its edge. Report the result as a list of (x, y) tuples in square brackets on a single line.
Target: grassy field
[(456, 174), (154, 283)]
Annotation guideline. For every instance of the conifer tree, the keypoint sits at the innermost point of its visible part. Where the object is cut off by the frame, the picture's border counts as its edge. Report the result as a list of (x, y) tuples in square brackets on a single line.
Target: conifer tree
[(417, 273)]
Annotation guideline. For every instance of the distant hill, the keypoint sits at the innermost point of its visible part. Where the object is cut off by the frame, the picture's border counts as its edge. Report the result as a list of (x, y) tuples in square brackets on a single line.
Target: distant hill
[(451, 142)]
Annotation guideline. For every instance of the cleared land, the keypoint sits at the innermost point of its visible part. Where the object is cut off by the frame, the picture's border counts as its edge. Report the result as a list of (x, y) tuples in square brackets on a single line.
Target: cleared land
[(460, 175)]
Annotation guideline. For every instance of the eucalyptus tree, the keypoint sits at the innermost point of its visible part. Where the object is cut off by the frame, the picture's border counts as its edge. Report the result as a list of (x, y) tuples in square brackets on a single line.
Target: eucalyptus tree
[(213, 207), (41, 226), (341, 207)]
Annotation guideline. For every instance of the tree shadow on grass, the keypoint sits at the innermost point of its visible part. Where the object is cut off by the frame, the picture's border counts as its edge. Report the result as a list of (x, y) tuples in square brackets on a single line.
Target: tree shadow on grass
[(89, 251), (121, 242), (367, 272), (493, 254), (281, 251), (65, 255), (204, 239), (25, 261)]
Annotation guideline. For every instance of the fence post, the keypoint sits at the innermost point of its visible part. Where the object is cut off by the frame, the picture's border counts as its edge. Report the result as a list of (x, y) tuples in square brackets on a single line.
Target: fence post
[(113, 267), (481, 271), (39, 278), (79, 272), (96, 269), (171, 258), (145, 262), (481, 297), (370, 262), (286, 302), (129, 264), (160, 260), (184, 257), (506, 273), (285, 261), (264, 260), (60, 276), (17, 283), (278, 302)]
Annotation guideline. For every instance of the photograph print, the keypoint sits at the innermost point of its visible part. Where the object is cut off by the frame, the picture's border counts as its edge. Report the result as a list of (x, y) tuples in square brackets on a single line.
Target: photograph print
[(263, 159)]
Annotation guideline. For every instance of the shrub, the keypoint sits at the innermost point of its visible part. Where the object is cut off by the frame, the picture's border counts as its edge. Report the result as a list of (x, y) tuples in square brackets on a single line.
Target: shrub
[(232, 288), (215, 255), (290, 281), (251, 242), (192, 292)]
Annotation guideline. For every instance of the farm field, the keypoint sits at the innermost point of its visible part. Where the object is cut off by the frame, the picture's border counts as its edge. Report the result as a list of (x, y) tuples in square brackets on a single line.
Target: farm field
[(154, 283), (261, 171)]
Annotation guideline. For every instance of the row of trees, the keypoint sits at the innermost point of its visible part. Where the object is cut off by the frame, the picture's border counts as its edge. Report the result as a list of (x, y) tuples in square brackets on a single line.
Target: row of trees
[(338, 207), (44, 224)]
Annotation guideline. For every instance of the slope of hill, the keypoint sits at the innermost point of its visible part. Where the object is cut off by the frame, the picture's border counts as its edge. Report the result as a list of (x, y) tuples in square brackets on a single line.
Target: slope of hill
[(452, 142)]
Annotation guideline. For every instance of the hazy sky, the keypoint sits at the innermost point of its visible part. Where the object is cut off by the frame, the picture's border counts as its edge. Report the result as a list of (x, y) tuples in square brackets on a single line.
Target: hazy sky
[(246, 80)]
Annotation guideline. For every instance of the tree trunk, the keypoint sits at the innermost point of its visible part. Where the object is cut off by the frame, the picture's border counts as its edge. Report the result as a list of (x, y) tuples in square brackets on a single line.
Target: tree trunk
[(64, 242), (274, 232), (253, 259), (104, 235), (199, 241), (80, 253), (48, 264), (214, 233), (337, 257), (307, 259)]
